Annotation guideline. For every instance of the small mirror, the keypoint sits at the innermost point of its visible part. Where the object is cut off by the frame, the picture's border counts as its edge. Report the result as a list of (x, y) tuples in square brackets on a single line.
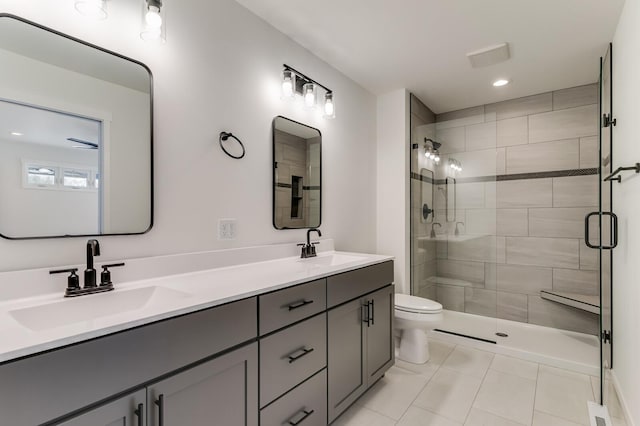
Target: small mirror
[(297, 174), (75, 136)]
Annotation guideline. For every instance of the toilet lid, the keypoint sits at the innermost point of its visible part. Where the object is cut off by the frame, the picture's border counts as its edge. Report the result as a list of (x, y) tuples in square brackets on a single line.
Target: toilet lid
[(408, 303)]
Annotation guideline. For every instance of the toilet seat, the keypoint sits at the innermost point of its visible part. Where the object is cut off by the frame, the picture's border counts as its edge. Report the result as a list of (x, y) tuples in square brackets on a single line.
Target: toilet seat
[(416, 305)]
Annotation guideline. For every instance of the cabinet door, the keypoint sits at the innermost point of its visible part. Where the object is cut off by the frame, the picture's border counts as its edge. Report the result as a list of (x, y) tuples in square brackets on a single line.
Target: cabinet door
[(380, 352), (346, 352), (223, 391), (129, 410)]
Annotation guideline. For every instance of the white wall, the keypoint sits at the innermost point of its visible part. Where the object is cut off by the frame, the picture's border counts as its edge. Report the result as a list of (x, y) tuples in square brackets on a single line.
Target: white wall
[(626, 203), (220, 70), (393, 183)]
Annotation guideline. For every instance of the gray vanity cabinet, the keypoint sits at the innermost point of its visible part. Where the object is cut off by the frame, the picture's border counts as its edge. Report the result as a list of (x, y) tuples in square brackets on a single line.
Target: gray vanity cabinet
[(359, 333), (223, 391), (129, 410)]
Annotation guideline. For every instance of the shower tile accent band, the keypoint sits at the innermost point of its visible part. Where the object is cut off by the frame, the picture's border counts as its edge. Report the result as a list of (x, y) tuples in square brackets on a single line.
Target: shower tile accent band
[(516, 176)]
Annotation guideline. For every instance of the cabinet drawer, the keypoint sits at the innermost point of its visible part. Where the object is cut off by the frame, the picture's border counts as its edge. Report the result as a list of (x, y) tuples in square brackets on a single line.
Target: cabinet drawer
[(305, 405), (349, 285), (284, 307), (291, 355)]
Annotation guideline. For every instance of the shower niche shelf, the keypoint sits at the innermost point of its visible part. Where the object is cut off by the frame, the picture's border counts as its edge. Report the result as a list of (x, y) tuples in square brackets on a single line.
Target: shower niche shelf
[(576, 300)]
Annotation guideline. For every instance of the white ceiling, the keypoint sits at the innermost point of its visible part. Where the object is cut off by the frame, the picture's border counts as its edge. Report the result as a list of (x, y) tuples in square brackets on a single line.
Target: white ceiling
[(421, 45)]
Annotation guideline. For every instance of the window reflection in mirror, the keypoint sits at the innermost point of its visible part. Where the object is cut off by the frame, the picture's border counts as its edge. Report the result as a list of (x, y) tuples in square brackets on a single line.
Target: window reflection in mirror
[(75, 136), (297, 154)]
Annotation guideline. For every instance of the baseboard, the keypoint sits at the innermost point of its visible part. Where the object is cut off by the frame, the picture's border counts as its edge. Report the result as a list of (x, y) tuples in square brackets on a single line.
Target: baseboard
[(621, 398)]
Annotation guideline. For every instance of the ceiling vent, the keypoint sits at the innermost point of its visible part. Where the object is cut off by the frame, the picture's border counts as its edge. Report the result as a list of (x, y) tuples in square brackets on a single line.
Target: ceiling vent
[(490, 55)]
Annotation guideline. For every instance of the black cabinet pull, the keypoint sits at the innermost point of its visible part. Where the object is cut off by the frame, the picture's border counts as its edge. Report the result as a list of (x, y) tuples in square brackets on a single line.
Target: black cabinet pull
[(305, 351), (365, 315), (160, 403), (299, 304), (303, 418), (139, 412), (372, 311)]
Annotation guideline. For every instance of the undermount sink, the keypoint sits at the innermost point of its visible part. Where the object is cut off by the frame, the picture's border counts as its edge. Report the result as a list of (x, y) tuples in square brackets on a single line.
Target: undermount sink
[(92, 307), (330, 259)]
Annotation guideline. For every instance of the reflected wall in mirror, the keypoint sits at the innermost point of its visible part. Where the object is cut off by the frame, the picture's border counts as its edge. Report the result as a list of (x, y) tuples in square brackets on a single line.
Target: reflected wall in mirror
[(297, 175), (75, 137)]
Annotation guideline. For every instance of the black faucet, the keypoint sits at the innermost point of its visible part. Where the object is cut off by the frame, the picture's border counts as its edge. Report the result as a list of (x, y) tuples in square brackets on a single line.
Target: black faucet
[(93, 249), (309, 249)]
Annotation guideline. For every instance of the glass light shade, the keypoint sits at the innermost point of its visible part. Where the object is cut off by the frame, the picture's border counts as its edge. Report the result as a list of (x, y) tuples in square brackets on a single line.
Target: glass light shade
[(287, 84), (329, 105), (153, 21), (427, 152), (309, 95), (95, 9)]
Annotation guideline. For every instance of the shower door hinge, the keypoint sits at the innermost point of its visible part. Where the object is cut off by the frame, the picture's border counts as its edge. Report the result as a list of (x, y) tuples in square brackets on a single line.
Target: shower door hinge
[(607, 120), (606, 336)]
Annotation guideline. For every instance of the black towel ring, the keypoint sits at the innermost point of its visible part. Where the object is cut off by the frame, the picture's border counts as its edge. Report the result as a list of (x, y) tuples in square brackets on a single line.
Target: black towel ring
[(226, 135)]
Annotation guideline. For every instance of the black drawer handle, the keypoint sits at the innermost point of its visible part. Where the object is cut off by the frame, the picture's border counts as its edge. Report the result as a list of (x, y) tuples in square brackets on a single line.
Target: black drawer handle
[(160, 403), (139, 412), (303, 418), (305, 351), (299, 304)]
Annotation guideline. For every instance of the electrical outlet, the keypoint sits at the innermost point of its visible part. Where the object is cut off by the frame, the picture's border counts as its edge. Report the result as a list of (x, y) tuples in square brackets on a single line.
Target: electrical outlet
[(227, 229)]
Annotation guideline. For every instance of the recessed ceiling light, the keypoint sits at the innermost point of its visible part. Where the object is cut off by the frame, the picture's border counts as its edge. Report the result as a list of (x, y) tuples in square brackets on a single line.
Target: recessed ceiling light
[(16, 133), (501, 82)]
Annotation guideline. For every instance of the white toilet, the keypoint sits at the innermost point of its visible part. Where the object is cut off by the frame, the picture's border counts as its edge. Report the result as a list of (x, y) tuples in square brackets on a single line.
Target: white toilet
[(414, 317)]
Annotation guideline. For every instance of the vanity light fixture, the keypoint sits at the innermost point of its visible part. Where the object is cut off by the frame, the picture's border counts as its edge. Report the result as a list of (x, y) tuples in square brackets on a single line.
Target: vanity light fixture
[(153, 21), (455, 165), (95, 9), (309, 94), (431, 152), (295, 83), (329, 106), (500, 82)]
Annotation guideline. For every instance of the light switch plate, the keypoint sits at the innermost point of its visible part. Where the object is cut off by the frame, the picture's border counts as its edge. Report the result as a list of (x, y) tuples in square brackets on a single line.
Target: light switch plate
[(227, 229)]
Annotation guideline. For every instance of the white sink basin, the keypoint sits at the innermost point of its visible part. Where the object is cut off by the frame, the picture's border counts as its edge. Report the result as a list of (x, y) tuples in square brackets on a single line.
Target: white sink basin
[(92, 307), (330, 260)]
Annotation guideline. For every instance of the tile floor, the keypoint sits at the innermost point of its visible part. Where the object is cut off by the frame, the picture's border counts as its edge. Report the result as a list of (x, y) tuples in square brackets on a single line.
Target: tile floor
[(461, 385)]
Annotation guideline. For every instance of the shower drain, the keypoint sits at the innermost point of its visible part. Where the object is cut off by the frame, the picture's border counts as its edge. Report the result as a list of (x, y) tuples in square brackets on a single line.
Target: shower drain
[(502, 335)]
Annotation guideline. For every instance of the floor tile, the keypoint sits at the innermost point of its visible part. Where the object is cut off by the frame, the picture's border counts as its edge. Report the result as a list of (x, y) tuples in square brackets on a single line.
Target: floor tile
[(508, 396), (426, 370), (469, 361), (394, 393), (483, 418), (450, 394), (361, 416), (618, 422), (544, 419), (510, 365), (416, 416), (439, 351), (563, 394)]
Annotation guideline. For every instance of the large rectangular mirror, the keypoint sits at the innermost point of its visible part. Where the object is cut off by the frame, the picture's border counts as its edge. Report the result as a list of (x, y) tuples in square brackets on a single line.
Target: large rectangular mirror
[(297, 174), (75, 137)]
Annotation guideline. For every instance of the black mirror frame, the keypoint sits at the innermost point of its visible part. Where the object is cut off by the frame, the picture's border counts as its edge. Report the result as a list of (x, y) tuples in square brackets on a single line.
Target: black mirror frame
[(151, 138), (273, 167)]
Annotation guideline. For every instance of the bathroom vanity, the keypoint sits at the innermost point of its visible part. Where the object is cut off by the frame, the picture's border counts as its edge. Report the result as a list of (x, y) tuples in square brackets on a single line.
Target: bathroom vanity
[(213, 345)]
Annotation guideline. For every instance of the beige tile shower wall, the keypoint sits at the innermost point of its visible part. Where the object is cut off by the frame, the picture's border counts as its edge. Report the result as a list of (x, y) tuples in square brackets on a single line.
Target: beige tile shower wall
[(525, 235)]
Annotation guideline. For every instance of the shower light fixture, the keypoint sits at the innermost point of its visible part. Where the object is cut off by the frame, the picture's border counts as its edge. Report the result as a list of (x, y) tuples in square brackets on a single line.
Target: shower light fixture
[(295, 83), (153, 21), (95, 9)]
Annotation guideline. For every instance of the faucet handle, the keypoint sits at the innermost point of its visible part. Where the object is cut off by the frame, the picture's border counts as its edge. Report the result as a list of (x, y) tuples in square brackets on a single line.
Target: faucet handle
[(73, 281), (105, 275)]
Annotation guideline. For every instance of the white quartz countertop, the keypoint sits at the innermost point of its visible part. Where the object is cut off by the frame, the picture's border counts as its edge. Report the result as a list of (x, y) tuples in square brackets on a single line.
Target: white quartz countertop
[(36, 324)]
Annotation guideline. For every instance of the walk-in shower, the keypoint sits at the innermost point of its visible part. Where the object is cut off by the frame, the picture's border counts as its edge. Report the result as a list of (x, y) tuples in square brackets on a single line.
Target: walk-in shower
[(498, 223)]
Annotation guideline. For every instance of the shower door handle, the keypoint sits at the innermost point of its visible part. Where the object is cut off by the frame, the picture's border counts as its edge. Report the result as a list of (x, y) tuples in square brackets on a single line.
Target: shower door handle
[(614, 236), (586, 230)]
